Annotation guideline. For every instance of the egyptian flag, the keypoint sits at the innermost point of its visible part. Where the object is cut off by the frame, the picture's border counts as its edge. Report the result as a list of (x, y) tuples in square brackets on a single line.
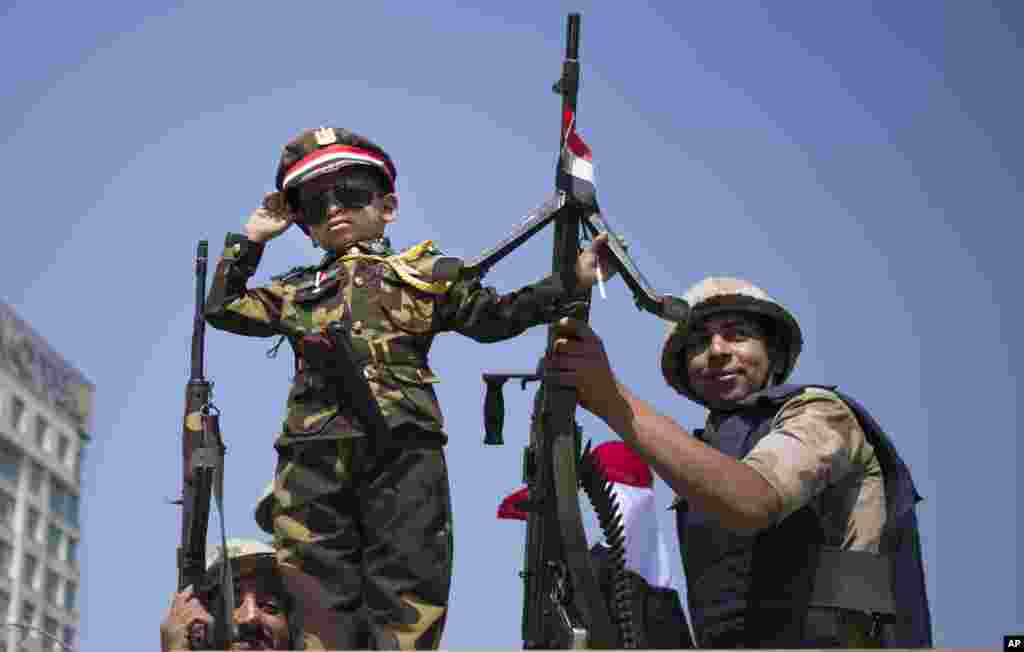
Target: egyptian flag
[(576, 167), (512, 506), (633, 487)]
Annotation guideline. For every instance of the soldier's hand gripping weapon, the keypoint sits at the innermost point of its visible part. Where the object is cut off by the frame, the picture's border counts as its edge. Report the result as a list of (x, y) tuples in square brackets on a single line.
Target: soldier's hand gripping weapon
[(563, 605), (203, 476)]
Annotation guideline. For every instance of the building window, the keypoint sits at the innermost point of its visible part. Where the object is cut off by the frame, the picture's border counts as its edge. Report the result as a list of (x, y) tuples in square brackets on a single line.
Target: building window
[(35, 479), (62, 449), (41, 427), (7, 505), (63, 502), (17, 412), (56, 496), (78, 465), (6, 557), (29, 565), (51, 587), (32, 518), (71, 509), (69, 636), (5, 605), (70, 591), (53, 540), (28, 612), (72, 557), (10, 462), (50, 627)]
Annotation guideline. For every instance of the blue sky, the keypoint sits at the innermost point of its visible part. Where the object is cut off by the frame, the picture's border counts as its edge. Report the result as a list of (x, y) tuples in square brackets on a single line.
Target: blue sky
[(860, 161)]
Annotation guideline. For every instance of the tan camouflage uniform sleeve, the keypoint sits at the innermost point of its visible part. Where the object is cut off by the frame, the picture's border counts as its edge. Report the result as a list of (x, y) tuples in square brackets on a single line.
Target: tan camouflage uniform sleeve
[(482, 314), (233, 307), (815, 442)]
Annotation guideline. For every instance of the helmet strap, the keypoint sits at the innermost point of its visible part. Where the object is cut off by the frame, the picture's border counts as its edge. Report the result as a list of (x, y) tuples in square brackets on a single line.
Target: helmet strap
[(777, 369)]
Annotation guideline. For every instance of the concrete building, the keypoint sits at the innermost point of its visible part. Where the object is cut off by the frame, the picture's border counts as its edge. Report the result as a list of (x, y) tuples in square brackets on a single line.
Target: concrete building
[(45, 405)]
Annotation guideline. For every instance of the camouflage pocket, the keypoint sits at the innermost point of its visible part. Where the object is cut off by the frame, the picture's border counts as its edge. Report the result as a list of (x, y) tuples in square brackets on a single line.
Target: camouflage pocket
[(309, 417), (415, 385)]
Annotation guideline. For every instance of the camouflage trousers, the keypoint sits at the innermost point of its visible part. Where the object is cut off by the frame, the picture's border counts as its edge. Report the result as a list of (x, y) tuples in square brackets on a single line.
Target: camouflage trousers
[(373, 524)]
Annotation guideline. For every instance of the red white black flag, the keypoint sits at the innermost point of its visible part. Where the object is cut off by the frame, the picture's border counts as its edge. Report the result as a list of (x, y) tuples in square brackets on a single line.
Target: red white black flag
[(576, 173)]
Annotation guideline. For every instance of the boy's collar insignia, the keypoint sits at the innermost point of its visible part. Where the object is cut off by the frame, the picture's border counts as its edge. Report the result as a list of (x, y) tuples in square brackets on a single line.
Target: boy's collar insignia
[(380, 246)]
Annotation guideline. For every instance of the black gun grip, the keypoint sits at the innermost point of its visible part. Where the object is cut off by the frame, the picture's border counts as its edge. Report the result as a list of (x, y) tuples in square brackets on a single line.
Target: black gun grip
[(494, 410)]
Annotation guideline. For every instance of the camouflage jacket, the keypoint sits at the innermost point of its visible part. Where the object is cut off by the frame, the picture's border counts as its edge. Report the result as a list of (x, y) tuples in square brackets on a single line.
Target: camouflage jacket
[(393, 310)]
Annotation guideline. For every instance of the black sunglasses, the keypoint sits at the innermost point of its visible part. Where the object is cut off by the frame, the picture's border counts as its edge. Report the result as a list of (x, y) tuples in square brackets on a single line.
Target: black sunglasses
[(313, 208)]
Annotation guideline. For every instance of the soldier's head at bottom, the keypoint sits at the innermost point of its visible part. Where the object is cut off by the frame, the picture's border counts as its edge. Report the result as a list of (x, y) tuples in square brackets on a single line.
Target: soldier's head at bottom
[(340, 186), (267, 615), (737, 341)]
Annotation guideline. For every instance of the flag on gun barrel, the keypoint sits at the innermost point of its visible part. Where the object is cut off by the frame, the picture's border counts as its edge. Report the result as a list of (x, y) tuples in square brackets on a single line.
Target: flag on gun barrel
[(576, 166)]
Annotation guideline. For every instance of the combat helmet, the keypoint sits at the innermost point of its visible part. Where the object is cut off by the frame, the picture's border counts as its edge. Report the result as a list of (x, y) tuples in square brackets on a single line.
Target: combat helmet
[(248, 556), (316, 152), (722, 294)]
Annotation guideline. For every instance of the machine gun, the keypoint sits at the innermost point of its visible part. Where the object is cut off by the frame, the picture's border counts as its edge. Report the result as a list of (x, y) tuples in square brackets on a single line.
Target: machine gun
[(563, 606), (203, 476)]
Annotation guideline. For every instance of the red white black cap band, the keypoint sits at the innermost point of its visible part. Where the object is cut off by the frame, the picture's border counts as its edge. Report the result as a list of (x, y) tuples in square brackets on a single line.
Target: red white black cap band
[(330, 159)]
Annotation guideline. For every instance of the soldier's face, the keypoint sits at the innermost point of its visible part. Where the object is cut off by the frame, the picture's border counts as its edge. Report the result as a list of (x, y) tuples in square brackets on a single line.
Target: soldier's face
[(727, 358), (345, 224), (259, 614)]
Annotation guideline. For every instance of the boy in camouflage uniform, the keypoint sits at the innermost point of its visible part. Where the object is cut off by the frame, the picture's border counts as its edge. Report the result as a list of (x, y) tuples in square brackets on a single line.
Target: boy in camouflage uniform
[(369, 518)]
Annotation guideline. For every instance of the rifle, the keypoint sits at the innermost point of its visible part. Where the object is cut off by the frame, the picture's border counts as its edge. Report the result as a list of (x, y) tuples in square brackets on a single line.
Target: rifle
[(563, 606), (203, 460), (335, 354)]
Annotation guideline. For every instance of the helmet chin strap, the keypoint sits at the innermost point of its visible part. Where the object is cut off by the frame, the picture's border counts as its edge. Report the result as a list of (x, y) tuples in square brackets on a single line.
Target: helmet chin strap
[(773, 375), (772, 379)]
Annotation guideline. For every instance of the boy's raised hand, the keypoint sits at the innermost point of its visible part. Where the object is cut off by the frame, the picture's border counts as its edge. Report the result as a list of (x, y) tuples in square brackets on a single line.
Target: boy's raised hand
[(270, 220)]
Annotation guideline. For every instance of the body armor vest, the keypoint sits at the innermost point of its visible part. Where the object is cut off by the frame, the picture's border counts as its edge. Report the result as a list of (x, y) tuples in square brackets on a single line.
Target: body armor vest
[(782, 587)]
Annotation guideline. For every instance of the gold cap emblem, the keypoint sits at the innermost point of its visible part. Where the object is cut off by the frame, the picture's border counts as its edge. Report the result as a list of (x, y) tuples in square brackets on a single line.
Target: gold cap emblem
[(325, 136)]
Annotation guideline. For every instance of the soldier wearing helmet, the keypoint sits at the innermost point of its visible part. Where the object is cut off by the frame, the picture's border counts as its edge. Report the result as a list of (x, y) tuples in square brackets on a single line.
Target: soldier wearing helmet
[(369, 518), (794, 509), (271, 603)]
